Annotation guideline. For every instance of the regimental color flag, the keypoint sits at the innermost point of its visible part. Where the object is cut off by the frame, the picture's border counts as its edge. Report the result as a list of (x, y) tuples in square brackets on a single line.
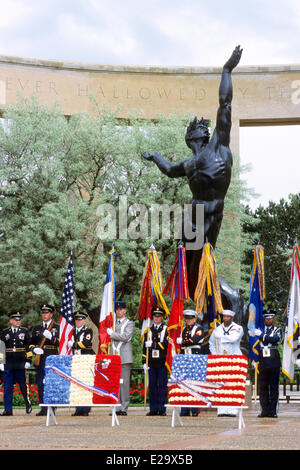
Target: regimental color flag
[(107, 312), (291, 345), (257, 296), (151, 291), (208, 380), (207, 293), (82, 379), (66, 311), (178, 285)]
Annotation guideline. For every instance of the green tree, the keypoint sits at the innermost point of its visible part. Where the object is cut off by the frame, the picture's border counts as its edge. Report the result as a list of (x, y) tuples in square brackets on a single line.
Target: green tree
[(277, 228), (56, 175)]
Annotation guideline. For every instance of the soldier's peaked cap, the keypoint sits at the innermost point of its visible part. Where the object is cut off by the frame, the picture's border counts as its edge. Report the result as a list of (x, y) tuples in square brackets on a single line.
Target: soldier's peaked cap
[(16, 314), (47, 308), (80, 315), (269, 313), (158, 312)]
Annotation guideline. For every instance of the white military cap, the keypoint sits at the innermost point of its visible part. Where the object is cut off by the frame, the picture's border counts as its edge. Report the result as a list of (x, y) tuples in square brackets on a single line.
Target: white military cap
[(228, 312), (189, 313)]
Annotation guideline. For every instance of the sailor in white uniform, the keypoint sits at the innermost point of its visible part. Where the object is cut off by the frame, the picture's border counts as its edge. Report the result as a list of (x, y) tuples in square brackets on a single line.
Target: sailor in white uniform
[(226, 339)]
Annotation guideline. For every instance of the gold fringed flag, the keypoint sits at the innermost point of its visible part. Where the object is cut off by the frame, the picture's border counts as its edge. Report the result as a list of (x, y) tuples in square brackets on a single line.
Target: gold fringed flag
[(150, 297), (151, 291), (291, 345), (178, 284), (207, 294), (257, 297)]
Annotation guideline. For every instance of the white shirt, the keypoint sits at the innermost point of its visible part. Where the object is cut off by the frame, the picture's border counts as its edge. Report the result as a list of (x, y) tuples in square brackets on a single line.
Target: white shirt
[(226, 340)]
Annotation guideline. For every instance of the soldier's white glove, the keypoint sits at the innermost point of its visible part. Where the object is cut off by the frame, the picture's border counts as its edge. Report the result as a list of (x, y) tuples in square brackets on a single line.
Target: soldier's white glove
[(27, 365), (298, 339), (297, 362), (47, 334), (38, 351), (2, 367), (218, 334), (148, 344), (179, 340), (109, 331), (257, 332), (146, 368), (70, 343)]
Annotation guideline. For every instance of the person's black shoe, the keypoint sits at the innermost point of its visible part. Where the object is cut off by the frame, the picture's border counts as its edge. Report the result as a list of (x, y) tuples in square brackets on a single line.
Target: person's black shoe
[(41, 413), (161, 413), (121, 413), (194, 413), (28, 409), (273, 416), (7, 413), (184, 414), (262, 415), (77, 413), (152, 413)]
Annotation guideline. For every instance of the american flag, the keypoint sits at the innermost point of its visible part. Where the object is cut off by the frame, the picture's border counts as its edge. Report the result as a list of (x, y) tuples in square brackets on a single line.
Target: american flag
[(66, 311), (224, 376)]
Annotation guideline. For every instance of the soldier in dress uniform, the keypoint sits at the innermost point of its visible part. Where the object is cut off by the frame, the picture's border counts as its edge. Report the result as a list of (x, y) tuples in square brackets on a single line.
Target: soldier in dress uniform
[(269, 365), (190, 340), (121, 344), (18, 358), (82, 344), (226, 339), (155, 348), (44, 342)]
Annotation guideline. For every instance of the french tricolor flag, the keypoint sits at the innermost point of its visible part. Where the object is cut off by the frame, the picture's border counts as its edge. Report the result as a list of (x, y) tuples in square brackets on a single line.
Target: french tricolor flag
[(107, 312), (82, 380)]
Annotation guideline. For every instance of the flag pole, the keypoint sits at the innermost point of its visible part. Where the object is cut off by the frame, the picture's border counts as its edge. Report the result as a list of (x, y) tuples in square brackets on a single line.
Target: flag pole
[(151, 249), (112, 292), (146, 373)]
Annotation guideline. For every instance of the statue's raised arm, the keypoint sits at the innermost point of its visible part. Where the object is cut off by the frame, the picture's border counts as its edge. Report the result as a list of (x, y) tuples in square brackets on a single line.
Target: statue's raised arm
[(223, 123)]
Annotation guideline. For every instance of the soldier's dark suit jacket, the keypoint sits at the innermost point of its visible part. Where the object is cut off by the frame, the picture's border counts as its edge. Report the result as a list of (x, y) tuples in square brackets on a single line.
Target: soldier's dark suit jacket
[(192, 338), (158, 351), (270, 339), (50, 346), (83, 340), (17, 348)]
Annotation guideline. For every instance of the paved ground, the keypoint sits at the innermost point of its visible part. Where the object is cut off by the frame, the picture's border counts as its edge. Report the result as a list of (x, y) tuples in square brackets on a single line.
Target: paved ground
[(138, 432)]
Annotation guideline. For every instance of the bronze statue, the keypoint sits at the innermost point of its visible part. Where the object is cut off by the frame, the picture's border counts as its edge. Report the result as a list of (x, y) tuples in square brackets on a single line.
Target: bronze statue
[(208, 170)]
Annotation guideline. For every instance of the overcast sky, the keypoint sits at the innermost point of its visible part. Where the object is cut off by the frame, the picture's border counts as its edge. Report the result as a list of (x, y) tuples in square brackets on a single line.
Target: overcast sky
[(172, 32)]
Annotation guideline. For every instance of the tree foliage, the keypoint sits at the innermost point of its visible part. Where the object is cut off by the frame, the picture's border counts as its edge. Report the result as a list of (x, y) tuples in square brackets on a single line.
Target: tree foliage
[(276, 227), (57, 174)]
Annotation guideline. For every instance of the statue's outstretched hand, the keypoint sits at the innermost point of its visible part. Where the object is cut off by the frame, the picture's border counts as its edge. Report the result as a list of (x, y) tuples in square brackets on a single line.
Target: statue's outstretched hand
[(150, 157), (147, 156), (233, 61)]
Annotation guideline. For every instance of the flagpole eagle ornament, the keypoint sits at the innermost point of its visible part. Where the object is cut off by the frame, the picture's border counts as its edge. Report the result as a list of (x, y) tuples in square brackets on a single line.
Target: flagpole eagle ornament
[(208, 170)]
